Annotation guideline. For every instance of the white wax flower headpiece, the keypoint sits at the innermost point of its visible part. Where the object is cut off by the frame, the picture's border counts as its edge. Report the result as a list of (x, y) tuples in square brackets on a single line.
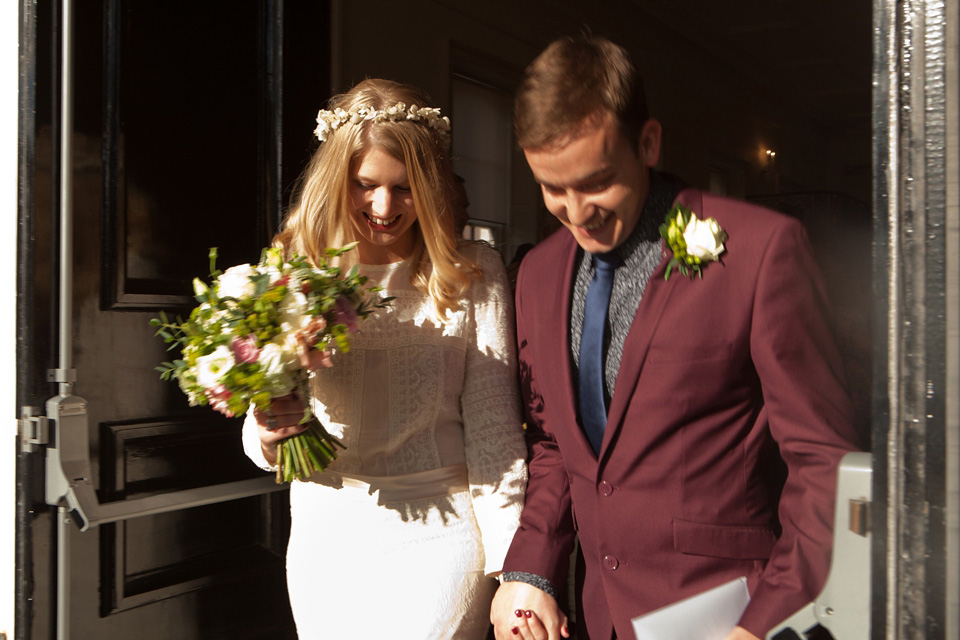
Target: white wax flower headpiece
[(330, 121)]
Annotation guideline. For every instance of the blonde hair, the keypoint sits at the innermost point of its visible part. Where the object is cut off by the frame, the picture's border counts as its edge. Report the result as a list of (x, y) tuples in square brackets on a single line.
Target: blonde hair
[(319, 213)]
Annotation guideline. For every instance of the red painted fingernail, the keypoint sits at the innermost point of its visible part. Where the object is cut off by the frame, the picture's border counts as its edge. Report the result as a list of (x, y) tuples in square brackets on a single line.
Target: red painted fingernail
[(518, 613), (515, 631), (528, 613)]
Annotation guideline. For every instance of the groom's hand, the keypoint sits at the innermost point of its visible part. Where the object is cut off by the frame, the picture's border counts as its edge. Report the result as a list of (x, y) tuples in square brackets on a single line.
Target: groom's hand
[(521, 611), (739, 633)]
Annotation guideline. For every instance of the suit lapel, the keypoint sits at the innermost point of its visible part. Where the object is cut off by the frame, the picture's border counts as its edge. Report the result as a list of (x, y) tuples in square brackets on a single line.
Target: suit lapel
[(655, 297), (558, 338)]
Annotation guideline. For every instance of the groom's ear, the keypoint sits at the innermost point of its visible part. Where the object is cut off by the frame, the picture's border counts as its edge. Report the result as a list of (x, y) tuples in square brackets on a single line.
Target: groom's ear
[(648, 148)]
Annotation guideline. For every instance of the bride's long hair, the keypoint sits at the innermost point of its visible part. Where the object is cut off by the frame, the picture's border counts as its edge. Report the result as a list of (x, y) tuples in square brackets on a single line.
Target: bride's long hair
[(319, 213)]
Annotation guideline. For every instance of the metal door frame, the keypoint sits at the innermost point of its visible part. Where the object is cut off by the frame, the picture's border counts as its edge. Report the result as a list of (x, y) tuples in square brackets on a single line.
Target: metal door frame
[(915, 427)]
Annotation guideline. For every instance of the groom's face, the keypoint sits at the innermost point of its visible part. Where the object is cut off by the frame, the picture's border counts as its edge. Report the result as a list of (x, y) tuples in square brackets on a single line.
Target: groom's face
[(596, 184)]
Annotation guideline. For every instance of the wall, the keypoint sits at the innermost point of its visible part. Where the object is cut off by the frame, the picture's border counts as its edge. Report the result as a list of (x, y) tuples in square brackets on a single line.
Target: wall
[(713, 115)]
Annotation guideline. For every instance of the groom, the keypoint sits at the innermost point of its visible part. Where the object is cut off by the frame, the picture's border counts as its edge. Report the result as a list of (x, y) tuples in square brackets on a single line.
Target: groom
[(691, 438)]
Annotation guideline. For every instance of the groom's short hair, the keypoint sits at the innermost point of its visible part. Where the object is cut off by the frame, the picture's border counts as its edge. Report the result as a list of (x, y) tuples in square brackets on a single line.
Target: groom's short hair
[(572, 82)]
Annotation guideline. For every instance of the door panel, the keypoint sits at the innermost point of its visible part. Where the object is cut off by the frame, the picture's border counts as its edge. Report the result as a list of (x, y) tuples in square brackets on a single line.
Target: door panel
[(178, 146), (183, 119)]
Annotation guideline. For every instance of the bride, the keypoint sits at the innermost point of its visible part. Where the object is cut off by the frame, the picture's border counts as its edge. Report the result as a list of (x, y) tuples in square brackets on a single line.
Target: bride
[(402, 536)]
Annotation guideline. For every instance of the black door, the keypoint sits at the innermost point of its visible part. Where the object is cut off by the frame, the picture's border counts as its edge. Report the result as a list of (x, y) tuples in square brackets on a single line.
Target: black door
[(180, 112)]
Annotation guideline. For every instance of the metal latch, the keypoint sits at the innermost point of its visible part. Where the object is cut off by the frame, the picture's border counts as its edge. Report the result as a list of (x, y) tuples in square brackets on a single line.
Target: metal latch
[(34, 429), (860, 516)]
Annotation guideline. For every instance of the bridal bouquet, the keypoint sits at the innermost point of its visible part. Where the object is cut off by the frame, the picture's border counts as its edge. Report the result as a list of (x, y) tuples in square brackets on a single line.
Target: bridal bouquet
[(254, 335)]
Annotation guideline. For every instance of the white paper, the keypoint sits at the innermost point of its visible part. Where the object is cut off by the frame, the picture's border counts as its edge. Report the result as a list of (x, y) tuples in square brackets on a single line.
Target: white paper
[(709, 615)]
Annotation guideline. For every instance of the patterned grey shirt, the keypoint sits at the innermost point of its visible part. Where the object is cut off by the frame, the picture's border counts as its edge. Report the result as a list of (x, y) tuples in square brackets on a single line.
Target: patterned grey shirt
[(639, 256)]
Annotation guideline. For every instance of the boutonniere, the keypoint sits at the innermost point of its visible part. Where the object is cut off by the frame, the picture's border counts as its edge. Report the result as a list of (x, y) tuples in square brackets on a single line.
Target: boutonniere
[(694, 242)]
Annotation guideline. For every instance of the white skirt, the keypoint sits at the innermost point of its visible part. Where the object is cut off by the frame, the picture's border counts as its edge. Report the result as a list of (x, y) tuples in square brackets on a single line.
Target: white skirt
[(407, 569)]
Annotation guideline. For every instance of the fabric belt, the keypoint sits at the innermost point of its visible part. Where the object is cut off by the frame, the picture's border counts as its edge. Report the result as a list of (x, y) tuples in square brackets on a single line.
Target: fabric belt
[(403, 487)]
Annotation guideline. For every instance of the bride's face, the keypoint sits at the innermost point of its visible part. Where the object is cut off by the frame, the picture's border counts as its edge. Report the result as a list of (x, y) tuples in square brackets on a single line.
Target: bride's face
[(382, 209)]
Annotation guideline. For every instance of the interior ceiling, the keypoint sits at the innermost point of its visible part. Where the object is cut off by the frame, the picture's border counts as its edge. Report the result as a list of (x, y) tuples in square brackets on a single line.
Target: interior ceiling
[(814, 54)]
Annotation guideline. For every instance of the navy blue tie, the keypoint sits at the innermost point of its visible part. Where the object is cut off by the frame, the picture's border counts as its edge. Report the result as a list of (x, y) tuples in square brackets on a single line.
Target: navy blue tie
[(593, 406)]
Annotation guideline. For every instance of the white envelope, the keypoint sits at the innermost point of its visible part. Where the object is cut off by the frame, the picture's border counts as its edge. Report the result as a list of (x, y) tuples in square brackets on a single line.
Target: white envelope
[(709, 615)]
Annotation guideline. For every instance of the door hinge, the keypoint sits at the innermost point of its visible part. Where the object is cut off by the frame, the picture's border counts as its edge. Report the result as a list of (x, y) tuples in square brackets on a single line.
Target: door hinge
[(61, 375), (34, 429)]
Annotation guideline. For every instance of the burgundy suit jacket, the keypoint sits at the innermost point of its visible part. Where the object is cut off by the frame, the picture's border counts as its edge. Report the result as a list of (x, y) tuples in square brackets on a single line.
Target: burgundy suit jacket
[(723, 380)]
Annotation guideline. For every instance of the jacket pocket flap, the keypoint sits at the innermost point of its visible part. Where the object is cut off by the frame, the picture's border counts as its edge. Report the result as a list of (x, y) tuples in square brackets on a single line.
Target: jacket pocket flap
[(723, 541)]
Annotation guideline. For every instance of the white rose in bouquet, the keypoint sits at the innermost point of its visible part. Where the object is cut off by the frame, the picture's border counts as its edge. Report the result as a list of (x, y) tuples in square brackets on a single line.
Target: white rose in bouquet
[(294, 312), (280, 367), (276, 275), (235, 282), (212, 367)]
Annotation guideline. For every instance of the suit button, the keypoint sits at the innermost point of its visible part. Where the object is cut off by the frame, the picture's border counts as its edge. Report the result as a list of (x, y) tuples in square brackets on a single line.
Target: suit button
[(605, 489), (610, 562)]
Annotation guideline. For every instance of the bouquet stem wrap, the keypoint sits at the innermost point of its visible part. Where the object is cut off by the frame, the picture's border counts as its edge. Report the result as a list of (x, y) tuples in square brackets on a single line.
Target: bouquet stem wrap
[(302, 455), (311, 450)]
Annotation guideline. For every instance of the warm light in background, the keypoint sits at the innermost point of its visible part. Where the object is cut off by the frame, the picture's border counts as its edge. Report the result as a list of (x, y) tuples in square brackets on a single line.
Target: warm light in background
[(766, 154)]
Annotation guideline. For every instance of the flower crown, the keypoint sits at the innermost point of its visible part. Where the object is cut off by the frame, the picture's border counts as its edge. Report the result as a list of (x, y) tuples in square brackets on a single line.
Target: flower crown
[(330, 121)]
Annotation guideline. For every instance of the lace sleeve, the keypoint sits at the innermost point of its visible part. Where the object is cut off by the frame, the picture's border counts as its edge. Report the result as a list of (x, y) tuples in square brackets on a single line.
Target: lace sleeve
[(490, 402), (251, 443)]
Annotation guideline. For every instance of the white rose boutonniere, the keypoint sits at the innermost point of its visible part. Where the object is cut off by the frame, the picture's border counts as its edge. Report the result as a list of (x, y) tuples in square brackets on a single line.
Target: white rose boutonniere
[(694, 242)]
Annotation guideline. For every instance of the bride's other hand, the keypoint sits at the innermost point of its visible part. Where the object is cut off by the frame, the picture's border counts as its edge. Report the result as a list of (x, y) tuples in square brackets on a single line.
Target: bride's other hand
[(282, 421), (523, 612)]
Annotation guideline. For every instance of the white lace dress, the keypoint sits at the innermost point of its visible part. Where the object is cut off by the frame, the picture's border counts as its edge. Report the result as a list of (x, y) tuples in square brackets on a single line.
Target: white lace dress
[(399, 537)]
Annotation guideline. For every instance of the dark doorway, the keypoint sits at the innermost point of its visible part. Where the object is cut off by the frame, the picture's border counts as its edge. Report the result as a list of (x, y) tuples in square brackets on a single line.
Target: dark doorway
[(180, 142)]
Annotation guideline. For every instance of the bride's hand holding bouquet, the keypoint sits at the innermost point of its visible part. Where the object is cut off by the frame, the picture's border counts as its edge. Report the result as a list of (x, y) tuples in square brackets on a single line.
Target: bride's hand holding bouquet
[(285, 419)]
